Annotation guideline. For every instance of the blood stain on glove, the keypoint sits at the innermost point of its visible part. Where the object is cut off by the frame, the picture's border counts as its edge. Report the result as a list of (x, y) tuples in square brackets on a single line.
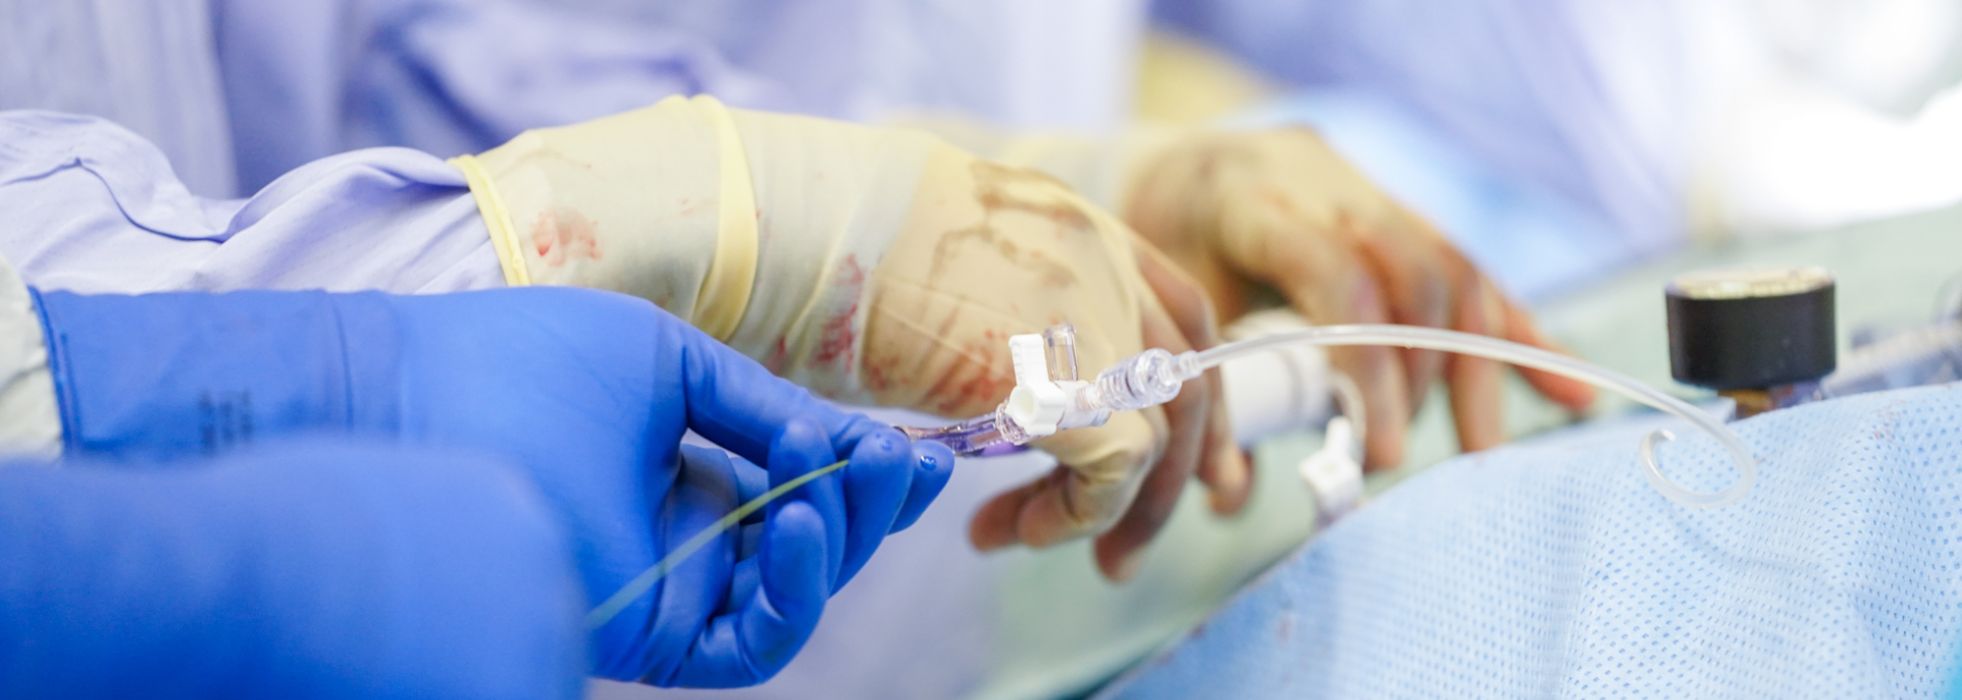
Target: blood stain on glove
[(991, 187), (986, 383), (779, 356), (564, 234), (881, 362), (1052, 273), (994, 188), (875, 378), (837, 335)]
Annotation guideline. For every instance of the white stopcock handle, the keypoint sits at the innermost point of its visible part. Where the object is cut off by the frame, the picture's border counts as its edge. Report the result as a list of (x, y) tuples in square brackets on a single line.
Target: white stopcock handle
[(1037, 403), (1335, 473), (1040, 404)]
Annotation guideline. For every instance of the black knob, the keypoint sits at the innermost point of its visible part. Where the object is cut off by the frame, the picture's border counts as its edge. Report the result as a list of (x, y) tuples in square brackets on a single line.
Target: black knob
[(1751, 329)]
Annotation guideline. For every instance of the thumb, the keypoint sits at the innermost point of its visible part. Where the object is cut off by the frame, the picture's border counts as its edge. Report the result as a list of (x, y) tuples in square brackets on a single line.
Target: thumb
[(1101, 471)]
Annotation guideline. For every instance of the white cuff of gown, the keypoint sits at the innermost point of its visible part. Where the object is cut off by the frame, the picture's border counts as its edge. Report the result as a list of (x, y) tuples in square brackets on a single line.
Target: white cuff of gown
[(30, 421)]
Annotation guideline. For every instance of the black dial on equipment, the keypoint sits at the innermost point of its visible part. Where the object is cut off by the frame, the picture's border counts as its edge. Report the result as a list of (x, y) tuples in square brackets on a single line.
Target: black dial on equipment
[(1751, 329)]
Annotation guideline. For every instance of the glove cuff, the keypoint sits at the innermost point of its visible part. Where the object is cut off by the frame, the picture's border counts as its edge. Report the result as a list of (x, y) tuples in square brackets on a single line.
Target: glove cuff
[(166, 374)]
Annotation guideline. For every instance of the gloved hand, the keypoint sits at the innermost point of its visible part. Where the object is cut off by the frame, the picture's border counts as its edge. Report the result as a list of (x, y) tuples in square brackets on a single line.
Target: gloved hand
[(876, 265), (305, 570), (1279, 210), (1249, 213), (590, 391)]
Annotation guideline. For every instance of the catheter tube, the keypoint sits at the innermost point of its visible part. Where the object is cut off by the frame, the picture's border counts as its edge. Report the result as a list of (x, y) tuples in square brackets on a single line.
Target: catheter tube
[(1195, 363)]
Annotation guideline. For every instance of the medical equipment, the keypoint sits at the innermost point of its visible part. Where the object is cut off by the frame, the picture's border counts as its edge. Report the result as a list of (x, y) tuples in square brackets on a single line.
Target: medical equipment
[(1760, 337), (1920, 356), (1766, 339), (1049, 395), (1885, 359)]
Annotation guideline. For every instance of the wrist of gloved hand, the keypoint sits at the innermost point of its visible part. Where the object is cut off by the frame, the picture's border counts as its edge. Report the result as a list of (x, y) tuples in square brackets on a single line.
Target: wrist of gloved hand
[(163, 375)]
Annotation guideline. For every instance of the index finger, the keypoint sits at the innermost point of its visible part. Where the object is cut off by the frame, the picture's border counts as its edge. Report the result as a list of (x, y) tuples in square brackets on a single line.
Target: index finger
[(1573, 394), (1477, 408), (738, 404), (1118, 551), (1103, 468), (1377, 370), (1222, 467)]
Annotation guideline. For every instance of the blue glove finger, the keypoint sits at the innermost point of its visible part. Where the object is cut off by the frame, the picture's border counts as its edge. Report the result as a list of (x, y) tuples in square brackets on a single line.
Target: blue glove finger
[(736, 403), (747, 578), (801, 448), (936, 466), (751, 482), (628, 647), (876, 484), (756, 641), (856, 427)]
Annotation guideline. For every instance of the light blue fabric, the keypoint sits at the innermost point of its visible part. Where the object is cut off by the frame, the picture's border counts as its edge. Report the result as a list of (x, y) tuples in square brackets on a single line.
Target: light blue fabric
[(1582, 100), (92, 207), (1018, 63), (1955, 683), (1557, 571), (147, 65), (238, 92), (305, 79), (1570, 98), (310, 78)]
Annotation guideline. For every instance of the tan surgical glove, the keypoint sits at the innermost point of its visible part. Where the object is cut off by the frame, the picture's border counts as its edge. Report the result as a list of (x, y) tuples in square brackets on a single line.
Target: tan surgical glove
[(1277, 211), (870, 265)]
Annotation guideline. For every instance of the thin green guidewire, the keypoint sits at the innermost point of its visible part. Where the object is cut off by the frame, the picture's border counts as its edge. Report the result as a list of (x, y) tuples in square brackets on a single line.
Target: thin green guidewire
[(644, 582)]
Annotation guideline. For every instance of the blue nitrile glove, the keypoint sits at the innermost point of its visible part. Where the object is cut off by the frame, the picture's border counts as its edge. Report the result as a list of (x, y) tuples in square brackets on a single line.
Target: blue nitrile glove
[(590, 390), (306, 571)]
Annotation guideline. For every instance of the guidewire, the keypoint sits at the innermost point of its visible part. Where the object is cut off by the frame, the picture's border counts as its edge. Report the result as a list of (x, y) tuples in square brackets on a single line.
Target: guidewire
[(980, 432), (645, 581)]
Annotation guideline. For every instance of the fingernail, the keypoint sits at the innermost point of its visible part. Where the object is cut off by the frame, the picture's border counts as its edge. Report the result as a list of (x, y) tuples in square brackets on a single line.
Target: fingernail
[(987, 542), (1221, 504), (1231, 491), (1128, 566), (935, 456)]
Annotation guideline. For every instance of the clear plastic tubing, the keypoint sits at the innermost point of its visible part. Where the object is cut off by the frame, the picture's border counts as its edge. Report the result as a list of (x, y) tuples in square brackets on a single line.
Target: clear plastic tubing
[(1194, 363)]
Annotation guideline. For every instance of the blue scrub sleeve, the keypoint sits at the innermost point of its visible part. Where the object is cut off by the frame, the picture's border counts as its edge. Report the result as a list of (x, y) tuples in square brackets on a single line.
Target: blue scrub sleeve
[(302, 570)]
